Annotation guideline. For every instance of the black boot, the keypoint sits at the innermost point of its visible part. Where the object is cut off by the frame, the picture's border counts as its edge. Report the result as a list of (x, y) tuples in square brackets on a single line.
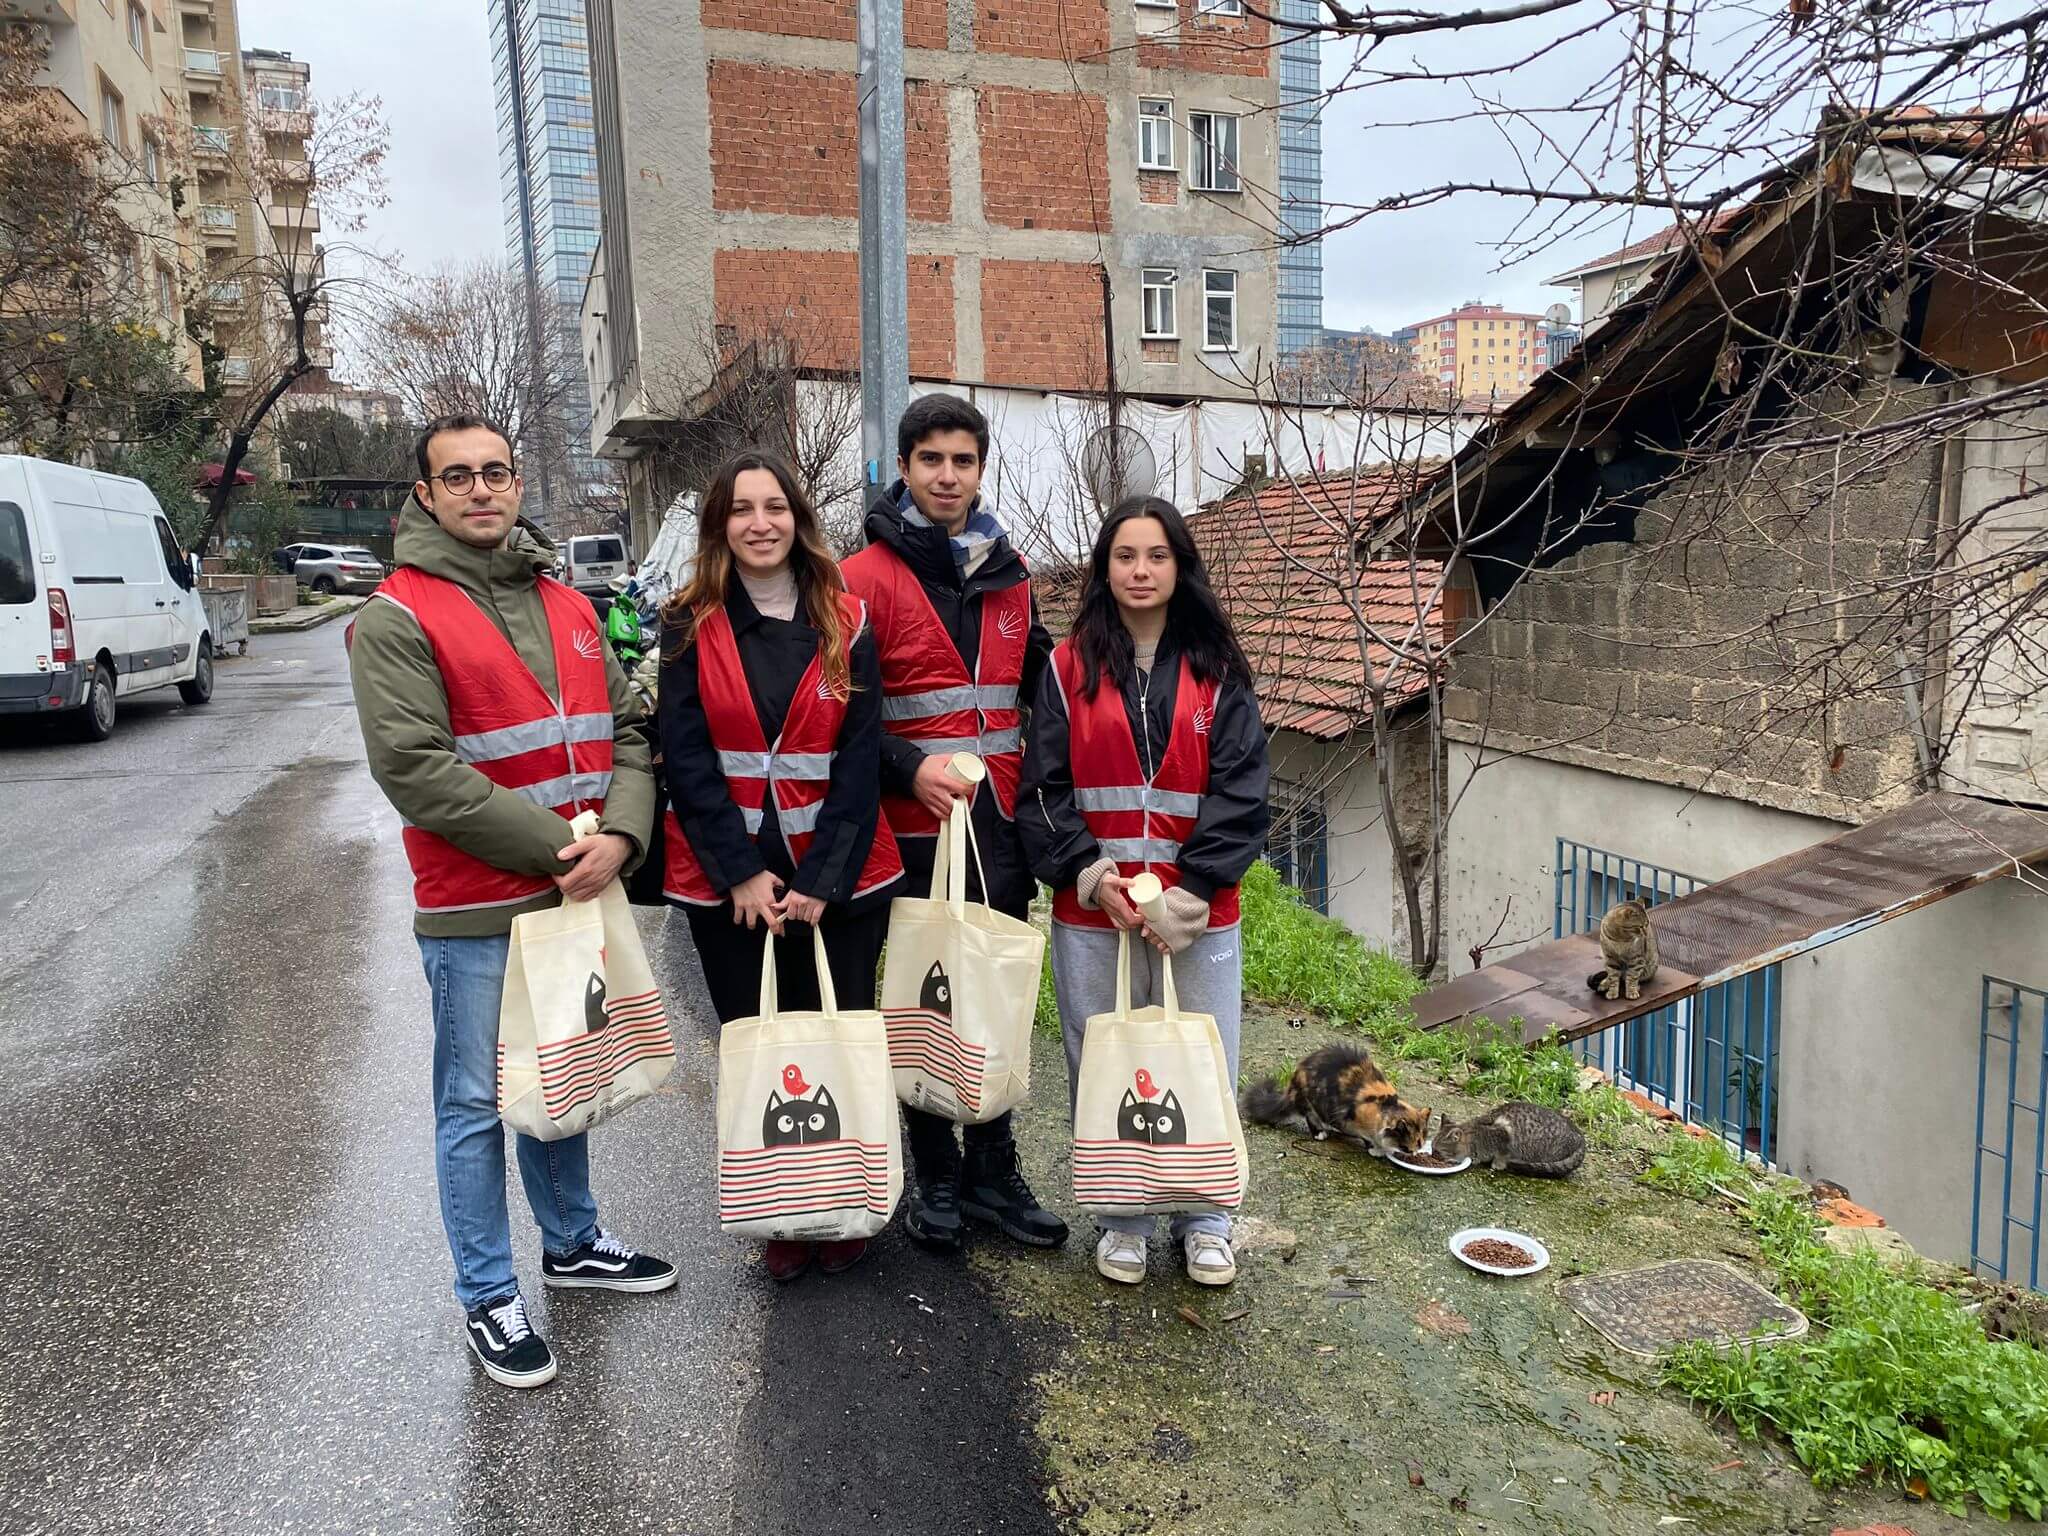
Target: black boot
[(933, 1217), (993, 1190)]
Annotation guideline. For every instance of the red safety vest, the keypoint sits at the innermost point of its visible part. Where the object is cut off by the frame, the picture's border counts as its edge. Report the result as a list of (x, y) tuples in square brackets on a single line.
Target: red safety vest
[(1138, 822), (507, 728), (799, 765), (928, 695)]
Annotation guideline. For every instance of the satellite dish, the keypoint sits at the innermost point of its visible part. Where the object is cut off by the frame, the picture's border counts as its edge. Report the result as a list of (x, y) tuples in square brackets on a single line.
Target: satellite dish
[(1117, 462), (1558, 314)]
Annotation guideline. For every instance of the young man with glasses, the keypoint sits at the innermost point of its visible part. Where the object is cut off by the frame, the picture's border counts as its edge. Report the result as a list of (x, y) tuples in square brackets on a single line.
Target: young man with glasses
[(493, 712)]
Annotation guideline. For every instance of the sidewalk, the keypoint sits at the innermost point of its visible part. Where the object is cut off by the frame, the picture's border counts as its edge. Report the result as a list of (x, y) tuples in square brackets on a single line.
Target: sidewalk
[(306, 616)]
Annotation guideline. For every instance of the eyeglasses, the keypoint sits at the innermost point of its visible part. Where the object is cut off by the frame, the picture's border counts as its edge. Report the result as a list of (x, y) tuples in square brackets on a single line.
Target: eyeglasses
[(496, 477)]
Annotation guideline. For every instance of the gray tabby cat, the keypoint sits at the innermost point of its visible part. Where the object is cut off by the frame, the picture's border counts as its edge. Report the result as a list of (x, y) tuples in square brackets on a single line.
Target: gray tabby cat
[(1628, 946), (1516, 1138)]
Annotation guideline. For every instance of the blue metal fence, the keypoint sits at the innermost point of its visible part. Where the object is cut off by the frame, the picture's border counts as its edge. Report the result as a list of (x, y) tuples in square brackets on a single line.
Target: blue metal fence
[(2012, 1090), (1298, 843), (1713, 1058)]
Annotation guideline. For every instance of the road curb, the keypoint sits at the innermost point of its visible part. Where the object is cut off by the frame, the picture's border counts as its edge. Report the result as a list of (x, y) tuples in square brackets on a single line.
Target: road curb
[(296, 621)]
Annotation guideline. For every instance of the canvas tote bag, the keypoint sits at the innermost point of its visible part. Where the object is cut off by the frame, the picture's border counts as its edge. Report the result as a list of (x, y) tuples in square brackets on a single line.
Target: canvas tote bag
[(1155, 1114), (582, 1030), (959, 988), (808, 1149)]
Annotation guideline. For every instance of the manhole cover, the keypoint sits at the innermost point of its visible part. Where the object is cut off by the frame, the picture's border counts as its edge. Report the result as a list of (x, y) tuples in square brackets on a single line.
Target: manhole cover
[(1648, 1311)]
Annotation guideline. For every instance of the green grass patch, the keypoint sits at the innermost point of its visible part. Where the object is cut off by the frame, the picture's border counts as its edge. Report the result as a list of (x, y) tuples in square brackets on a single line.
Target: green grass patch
[(1895, 1380), (1295, 957)]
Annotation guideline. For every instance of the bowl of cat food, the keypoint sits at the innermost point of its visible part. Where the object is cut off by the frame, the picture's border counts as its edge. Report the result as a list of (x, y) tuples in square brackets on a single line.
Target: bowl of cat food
[(1427, 1161), (1497, 1251)]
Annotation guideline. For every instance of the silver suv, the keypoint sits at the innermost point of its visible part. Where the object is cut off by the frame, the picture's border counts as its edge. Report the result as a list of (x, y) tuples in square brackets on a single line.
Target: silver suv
[(328, 568)]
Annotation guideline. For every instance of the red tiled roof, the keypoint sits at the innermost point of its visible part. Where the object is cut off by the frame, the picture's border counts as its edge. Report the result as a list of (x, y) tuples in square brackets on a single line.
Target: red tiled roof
[(1296, 630), (1670, 238)]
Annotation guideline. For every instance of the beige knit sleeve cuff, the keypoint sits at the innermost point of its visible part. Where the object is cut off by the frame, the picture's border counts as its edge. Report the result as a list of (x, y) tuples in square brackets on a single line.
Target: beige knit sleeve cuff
[(1090, 880)]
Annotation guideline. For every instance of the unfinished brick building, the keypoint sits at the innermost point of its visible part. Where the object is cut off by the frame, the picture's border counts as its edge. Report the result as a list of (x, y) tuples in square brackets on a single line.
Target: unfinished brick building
[(1045, 140)]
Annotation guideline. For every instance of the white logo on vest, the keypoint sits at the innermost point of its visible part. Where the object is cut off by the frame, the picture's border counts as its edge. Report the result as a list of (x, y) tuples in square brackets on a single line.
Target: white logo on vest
[(586, 645), (1202, 718), (1009, 626)]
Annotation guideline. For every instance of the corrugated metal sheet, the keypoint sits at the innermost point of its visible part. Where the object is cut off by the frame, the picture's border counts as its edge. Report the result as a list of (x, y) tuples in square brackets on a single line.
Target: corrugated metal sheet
[(1937, 846)]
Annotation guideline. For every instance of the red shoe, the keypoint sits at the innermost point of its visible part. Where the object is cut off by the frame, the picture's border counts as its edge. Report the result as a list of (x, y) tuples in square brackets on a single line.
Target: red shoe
[(787, 1260), (837, 1258)]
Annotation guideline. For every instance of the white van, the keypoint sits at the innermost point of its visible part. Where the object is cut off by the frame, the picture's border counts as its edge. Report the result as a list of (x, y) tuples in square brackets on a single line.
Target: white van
[(96, 600), (590, 561)]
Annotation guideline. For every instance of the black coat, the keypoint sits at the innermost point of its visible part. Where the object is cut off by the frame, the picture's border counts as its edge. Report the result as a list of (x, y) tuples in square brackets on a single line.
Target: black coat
[(958, 603), (1230, 830), (775, 655)]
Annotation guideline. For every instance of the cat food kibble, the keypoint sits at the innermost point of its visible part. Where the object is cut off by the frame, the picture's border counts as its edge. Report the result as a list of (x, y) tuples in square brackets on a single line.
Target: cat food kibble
[(1491, 1250)]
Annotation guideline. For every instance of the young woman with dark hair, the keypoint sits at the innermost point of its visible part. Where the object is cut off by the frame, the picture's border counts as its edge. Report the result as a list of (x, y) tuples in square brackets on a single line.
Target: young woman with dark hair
[(771, 735), (1147, 753)]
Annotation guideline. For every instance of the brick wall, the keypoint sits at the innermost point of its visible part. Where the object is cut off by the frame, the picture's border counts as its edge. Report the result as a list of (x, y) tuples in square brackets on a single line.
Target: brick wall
[(1044, 158), (1665, 658), (924, 21), (813, 298), (1041, 323), (1216, 45), (1043, 29), (787, 141), (1159, 186)]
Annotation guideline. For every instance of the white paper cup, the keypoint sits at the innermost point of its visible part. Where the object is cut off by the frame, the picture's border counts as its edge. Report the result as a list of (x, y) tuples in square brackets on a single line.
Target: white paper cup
[(1148, 895), (966, 767)]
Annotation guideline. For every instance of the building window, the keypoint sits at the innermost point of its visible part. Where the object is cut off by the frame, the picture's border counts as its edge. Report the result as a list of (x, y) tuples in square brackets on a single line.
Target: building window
[(1219, 7), (1163, 5), (1155, 134), (1159, 307), (113, 117), (138, 30), (166, 293), (1213, 136), (152, 160), (1298, 842), (1219, 311)]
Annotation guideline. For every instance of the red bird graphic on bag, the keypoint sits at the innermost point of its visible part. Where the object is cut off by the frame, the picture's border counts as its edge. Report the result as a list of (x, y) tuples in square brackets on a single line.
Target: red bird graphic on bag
[(1146, 1089), (793, 1082)]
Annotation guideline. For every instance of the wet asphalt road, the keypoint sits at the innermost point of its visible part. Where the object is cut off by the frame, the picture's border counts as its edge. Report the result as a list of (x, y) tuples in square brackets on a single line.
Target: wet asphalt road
[(225, 1289)]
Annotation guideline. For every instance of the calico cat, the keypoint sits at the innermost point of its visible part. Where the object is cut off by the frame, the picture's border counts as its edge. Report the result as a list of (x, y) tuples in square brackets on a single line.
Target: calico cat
[(1516, 1138), (1337, 1091), (937, 994), (799, 1122), (1161, 1124), (1628, 946), (594, 1016)]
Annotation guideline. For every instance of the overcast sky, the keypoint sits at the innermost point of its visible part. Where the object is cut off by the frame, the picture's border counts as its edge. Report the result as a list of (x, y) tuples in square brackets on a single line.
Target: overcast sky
[(430, 62)]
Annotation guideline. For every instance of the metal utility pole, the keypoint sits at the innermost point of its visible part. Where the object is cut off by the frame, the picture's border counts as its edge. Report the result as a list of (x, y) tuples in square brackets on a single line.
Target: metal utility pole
[(884, 241)]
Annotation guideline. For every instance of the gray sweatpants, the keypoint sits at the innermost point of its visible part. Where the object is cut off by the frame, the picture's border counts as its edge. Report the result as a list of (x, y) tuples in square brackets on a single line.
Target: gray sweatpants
[(1208, 977)]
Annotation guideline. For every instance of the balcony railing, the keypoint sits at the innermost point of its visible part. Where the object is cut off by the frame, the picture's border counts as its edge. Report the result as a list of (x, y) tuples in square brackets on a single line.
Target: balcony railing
[(202, 61), (236, 370), (216, 216), (210, 141), (225, 293)]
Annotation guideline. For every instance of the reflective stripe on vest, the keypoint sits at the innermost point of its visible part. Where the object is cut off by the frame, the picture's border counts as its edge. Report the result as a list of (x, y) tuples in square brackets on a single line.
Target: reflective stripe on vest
[(929, 694), (1138, 822), (552, 752), (788, 779)]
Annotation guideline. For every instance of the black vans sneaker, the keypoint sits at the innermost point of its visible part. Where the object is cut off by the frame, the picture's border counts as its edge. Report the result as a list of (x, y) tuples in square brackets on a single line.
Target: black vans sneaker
[(506, 1346), (606, 1265)]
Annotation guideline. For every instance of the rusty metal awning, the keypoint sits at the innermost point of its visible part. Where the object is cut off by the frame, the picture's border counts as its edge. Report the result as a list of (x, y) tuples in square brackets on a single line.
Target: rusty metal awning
[(1937, 846)]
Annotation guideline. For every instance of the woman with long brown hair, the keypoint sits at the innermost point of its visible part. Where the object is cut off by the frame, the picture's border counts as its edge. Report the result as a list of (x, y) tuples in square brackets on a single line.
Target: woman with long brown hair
[(771, 734)]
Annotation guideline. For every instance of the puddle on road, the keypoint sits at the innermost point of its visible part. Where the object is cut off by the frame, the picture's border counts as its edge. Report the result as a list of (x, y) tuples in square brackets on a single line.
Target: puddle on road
[(1317, 1400)]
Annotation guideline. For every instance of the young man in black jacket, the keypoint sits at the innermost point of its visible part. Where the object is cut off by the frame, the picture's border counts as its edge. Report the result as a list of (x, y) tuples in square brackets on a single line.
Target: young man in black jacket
[(961, 650)]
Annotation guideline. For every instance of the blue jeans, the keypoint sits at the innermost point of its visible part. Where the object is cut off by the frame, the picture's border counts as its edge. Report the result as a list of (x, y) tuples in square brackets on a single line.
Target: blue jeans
[(467, 977)]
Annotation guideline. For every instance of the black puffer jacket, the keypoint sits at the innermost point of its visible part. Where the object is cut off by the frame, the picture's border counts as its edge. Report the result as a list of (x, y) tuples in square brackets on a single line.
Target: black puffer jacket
[(1230, 830), (929, 554)]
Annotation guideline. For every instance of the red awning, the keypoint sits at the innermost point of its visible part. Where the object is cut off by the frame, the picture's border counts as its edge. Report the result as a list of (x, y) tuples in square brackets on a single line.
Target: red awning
[(209, 476)]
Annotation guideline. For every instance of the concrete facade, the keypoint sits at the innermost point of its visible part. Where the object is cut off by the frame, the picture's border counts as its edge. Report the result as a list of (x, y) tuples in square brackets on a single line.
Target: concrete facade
[(728, 173)]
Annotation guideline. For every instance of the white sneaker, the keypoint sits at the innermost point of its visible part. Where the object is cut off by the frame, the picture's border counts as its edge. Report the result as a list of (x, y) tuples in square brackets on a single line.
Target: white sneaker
[(1120, 1256), (1210, 1261)]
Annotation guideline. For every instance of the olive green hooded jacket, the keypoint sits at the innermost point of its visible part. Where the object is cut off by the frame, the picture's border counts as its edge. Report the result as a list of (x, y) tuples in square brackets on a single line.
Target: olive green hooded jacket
[(404, 713)]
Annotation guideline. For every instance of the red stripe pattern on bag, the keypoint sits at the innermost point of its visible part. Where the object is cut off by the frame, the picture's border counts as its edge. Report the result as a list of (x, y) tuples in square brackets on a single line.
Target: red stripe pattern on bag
[(775, 1183), (577, 1070), (1139, 1176), (923, 1041)]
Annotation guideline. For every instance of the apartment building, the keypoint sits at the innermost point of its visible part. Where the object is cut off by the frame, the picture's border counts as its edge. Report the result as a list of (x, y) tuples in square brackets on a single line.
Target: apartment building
[(116, 64), (1482, 351), (1046, 140)]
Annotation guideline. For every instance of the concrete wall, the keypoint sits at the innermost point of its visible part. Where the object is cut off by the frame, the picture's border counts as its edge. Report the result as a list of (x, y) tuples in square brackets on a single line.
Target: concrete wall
[(1878, 1033)]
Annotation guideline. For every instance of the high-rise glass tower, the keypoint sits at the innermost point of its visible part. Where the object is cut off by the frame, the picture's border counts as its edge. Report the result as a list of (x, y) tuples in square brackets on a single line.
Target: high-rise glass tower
[(547, 158), (1300, 296)]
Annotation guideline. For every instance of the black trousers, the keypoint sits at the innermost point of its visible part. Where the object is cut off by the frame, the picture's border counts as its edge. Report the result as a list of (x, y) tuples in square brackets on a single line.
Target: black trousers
[(731, 953)]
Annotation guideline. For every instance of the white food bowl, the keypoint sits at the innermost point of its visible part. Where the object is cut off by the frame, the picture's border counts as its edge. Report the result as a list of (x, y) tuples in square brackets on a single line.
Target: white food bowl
[(1520, 1239), (1401, 1162)]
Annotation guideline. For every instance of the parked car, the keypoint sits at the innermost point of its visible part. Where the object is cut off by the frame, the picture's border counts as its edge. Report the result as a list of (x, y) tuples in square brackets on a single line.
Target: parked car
[(589, 563), (97, 602), (329, 568)]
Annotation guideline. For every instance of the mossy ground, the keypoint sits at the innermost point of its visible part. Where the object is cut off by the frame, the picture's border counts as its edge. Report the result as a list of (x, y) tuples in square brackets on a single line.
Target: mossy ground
[(1314, 1400)]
